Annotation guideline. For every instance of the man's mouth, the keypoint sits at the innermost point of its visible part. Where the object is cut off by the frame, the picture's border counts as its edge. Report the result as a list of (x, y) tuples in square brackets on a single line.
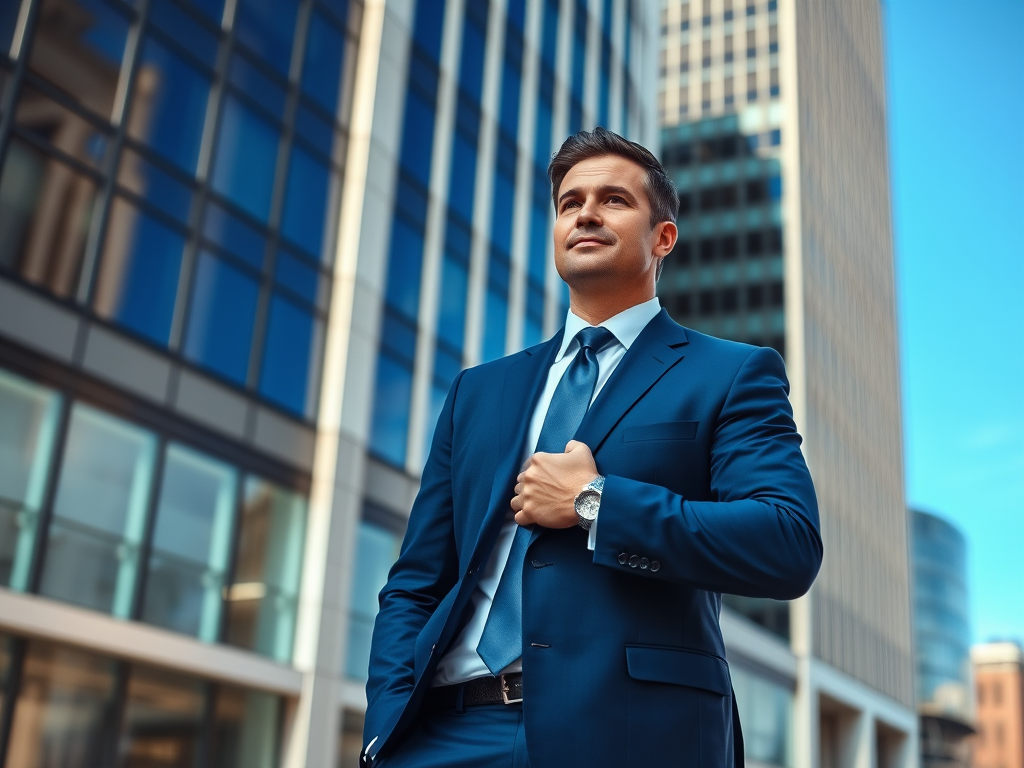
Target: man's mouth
[(588, 241)]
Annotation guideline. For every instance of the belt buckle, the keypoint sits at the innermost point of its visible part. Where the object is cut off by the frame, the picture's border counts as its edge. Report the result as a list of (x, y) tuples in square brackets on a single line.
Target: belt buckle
[(505, 690)]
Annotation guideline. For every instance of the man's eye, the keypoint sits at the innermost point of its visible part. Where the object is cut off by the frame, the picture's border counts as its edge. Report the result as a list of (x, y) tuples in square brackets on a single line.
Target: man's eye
[(569, 204), (616, 199)]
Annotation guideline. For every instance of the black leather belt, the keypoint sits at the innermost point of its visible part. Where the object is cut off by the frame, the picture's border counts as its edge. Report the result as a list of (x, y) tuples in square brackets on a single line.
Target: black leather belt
[(503, 689)]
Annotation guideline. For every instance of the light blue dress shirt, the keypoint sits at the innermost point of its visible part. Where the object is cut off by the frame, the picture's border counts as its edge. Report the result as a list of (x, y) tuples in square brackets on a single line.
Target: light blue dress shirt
[(462, 662)]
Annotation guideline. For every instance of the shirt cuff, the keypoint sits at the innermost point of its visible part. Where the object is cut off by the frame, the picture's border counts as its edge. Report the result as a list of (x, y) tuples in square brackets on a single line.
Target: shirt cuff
[(592, 534)]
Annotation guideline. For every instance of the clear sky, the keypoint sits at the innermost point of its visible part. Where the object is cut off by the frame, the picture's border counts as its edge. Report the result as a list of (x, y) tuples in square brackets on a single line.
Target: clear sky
[(956, 117)]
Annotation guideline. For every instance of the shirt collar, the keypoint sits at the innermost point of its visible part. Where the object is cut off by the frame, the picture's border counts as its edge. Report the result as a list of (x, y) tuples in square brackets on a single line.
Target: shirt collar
[(625, 326)]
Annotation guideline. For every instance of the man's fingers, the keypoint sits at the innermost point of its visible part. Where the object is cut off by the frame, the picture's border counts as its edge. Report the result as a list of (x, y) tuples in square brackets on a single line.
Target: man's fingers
[(572, 445)]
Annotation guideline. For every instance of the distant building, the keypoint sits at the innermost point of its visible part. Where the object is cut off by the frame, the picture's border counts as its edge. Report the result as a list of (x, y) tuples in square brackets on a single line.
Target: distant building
[(999, 685), (942, 636), (773, 127)]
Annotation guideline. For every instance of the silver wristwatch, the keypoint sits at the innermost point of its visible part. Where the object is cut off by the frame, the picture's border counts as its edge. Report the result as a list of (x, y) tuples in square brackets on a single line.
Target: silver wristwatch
[(588, 502)]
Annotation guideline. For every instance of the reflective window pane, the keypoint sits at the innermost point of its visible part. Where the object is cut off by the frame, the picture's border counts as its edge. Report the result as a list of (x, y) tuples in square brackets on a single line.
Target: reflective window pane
[(138, 279), (267, 27), (191, 544), (222, 310), (64, 714), (28, 425), (212, 8), (60, 127), (169, 104), (321, 70), (46, 211), (376, 551), (163, 720), (158, 187), (245, 729), (289, 374), (389, 428), (252, 80), (246, 156), (78, 46), (180, 25), (99, 512), (766, 711), (263, 599), (311, 200), (302, 278), (8, 23), (234, 235)]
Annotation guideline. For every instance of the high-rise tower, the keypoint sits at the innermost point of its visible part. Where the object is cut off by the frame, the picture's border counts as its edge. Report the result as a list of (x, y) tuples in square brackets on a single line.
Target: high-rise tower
[(774, 126)]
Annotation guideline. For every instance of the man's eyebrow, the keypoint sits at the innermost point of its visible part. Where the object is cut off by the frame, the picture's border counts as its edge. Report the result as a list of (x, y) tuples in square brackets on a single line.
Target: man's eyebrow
[(609, 189)]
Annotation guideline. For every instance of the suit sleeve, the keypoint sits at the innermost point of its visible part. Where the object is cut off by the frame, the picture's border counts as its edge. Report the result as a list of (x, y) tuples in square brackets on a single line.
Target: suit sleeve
[(759, 534), (425, 571)]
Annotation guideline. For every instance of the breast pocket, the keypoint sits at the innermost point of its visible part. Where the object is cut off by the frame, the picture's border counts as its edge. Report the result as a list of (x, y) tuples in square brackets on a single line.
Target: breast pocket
[(667, 430)]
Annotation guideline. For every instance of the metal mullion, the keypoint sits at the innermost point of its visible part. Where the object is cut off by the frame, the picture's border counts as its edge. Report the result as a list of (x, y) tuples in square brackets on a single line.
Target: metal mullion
[(101, 207), (154, 211), (17, 76), (49, 494), (232, 564), (12, 689), (48, 149), (210, 693), (118, 708), (146, 545), (180, 50), (201, 196), (277, 199)]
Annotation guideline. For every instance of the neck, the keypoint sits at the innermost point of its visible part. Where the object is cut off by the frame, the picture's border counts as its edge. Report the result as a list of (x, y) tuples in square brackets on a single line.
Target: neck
[(596, 308)]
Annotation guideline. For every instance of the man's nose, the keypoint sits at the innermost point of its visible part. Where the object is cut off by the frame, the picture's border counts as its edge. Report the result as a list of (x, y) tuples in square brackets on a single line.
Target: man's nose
[(588, 214)]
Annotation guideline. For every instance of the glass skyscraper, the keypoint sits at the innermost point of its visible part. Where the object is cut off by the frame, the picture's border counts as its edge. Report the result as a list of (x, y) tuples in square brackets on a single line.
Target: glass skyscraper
[(245, 247), (942, 635)]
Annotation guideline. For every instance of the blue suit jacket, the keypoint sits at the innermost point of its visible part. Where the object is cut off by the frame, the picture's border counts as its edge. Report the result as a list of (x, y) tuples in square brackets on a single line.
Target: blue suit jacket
[(704, 477)]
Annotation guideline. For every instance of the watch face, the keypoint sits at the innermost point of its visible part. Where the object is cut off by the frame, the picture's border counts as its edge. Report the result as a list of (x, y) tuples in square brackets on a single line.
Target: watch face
[(587, 504)]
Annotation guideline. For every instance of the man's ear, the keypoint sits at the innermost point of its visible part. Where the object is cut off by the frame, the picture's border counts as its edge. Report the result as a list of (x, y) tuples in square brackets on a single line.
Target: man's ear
[(665, 235)]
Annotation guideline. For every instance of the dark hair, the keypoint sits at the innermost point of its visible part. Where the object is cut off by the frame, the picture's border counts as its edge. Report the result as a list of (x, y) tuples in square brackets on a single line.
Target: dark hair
[(661, 192)]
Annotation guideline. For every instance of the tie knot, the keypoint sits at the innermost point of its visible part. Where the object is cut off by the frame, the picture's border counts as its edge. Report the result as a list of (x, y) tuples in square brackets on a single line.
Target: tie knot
[(595, 338)]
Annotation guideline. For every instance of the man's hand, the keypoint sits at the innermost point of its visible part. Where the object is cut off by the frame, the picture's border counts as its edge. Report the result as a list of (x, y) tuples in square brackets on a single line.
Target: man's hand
[(548, 484)]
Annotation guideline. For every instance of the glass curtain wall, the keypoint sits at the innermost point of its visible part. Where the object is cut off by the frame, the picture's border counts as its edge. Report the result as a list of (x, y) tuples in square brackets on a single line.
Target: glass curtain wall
[(142, 527), (161, 158), (78, 709), (389, 426)]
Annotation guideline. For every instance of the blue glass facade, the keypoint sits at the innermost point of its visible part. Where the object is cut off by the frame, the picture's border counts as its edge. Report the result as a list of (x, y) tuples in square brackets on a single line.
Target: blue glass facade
[(941, 624), (114, 205), (390, 419)]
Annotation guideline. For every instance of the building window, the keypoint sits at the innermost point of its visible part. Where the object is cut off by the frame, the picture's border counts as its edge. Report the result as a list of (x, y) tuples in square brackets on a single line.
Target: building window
[(99, 514), (191, 544), (378, 541), (766, 710), (263, 597), (77, 709), (30, 415)]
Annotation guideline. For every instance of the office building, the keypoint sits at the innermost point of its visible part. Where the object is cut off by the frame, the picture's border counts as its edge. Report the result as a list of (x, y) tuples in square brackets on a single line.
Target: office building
[(773, 123), (942, 638), (999, 690), (245, 246)]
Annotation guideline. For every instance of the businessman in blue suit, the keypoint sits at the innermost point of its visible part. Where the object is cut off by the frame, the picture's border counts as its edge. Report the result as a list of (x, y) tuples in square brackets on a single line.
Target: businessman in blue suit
[(584, 504)]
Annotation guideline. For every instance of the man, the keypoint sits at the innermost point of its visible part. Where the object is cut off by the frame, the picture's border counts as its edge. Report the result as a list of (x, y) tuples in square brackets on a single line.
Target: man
[(662, 468)]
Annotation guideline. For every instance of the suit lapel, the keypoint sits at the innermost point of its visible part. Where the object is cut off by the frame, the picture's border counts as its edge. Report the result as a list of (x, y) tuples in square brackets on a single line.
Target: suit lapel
[(524, 381), (654, 352)]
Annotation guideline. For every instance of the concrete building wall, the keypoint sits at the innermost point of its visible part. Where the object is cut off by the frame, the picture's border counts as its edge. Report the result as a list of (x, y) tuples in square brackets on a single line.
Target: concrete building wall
[(849, 373)]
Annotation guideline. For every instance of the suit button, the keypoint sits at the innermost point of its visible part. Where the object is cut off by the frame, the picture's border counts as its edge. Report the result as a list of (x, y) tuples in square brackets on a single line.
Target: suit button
[(644, 562), (623, 557), (655, 566), (634, 561)]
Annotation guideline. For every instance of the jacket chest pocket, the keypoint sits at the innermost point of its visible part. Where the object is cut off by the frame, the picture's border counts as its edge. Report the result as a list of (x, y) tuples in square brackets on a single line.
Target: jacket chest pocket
[(667, 430)]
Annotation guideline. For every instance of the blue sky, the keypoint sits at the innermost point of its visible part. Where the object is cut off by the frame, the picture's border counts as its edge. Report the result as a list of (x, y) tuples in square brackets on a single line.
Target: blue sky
[(956, 117)]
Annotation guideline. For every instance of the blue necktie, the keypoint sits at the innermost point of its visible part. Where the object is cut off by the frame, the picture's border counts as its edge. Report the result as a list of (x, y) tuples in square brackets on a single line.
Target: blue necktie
[(502, 640)]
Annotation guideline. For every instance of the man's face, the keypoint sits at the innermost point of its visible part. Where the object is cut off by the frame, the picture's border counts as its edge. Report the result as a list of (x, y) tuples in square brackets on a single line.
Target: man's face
[(603, 234)]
